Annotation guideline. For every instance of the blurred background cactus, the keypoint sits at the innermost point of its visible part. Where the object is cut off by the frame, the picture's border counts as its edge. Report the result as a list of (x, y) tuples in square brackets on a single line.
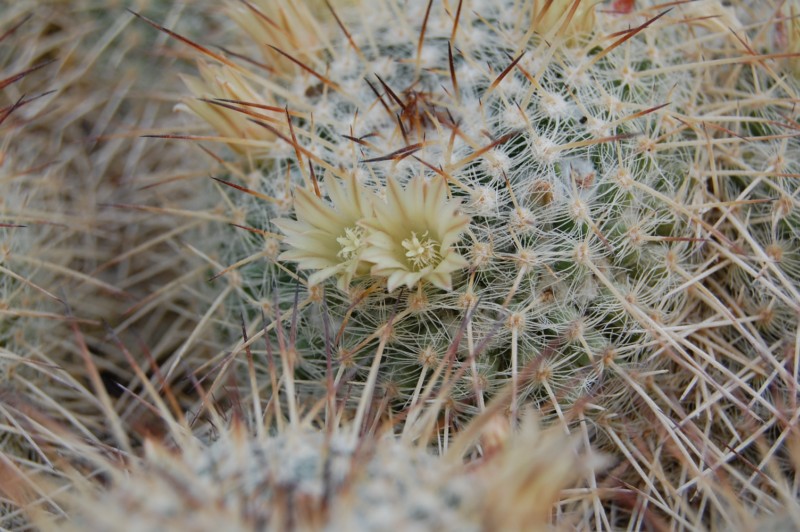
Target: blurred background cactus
[(76, 89), (40, 247)]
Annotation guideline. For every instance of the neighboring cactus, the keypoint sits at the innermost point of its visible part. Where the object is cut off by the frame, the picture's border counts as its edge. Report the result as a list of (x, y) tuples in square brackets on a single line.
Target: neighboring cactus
[(305, 479), (294, 481)]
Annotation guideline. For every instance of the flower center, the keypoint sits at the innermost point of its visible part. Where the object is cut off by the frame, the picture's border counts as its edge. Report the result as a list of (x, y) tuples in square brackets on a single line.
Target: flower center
[(420, 253), (351, 243)]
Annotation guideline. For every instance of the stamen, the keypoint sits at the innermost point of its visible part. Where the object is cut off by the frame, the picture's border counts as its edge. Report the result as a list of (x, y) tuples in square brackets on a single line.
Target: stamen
[(351, 242), (420, 253)]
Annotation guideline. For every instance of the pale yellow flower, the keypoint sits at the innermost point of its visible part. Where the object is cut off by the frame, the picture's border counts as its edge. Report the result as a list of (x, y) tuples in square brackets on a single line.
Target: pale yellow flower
[(297, 28), (411, 236), (223, 83), (328, 237), (550, 20)]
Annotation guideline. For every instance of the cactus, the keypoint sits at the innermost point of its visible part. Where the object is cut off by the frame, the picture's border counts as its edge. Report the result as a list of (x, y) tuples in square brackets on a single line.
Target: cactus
[(576, 226), (591, 153), (569, 215), (299, 478)]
